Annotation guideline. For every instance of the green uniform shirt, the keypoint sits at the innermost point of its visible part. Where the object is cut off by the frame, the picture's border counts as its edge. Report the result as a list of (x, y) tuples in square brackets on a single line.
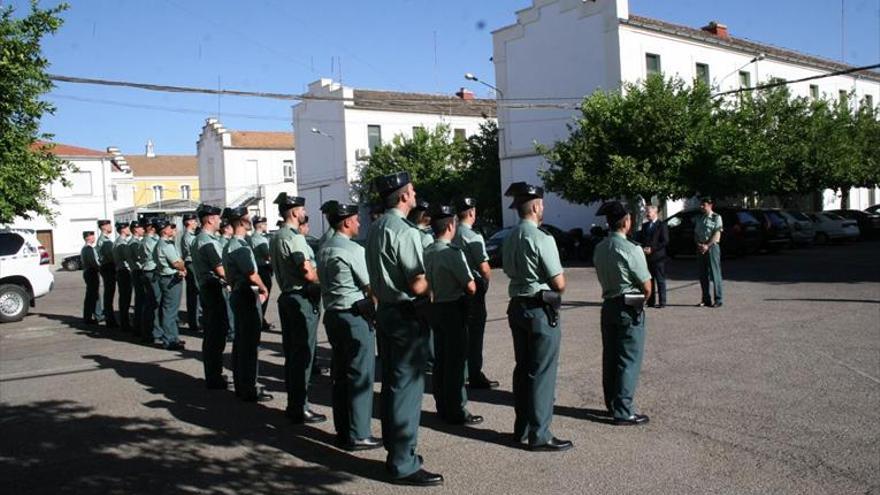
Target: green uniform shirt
[(186, 242), (531, 259), (105, 249), (473, 245), (164, 255), (89, 257), (427, 237), (447, 270), (238, 262), (342, 268), (120, 246), (706, 225), (223, 242), (206, 255), (148, 246), (394, 256), (325, 237), (620, 266), (289, 251), (259, 244), (132, 253)]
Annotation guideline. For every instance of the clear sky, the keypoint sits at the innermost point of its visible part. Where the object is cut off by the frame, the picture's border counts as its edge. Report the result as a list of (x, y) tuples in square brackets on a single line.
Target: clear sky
[(282, 45)]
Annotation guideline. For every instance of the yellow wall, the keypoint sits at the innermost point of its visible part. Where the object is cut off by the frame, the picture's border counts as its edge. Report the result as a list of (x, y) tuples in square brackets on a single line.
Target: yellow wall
[(143, 189)]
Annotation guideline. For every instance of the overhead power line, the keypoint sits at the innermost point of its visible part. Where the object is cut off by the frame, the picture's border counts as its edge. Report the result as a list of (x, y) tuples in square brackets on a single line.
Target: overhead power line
[(785, 82)]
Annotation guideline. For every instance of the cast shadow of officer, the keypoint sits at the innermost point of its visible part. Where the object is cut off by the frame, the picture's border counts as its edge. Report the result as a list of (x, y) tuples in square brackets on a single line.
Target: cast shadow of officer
[(186, 399), (505, 398)]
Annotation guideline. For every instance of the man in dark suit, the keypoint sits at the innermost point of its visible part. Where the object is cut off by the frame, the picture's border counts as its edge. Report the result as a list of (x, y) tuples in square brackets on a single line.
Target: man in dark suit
[(654, 237)]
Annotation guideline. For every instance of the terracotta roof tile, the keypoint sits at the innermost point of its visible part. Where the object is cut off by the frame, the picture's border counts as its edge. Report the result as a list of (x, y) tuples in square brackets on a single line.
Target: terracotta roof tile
[(163, 165), (263, 139), (67, 150), (393, 101)]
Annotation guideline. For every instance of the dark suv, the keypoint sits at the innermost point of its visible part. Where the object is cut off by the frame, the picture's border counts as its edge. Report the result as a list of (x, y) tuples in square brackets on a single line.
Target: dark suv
[(741, 234), (775, 232)]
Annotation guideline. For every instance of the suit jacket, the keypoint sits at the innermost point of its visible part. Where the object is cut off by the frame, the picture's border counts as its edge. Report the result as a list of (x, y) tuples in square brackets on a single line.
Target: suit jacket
[(656, 240)]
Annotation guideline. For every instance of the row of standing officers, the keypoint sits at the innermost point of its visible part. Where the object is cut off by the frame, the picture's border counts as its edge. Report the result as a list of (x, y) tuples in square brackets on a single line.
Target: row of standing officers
[(401, 290)]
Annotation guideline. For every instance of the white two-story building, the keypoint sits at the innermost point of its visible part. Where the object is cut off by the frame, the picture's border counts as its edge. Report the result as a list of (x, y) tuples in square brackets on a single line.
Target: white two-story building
[(245, 168), (338, 127), (558, 51)]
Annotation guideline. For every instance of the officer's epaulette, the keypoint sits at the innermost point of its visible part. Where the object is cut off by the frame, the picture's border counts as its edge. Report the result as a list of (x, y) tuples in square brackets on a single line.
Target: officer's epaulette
[(406, 221), (542, 229), (454, 247), (637, 243)]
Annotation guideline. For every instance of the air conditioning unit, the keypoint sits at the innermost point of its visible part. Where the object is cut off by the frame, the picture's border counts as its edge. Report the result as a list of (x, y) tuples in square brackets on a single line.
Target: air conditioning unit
[(361, 154)]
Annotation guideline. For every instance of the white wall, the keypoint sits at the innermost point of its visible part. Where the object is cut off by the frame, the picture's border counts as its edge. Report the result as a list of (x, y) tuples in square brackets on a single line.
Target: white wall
[(247, 171), (209, 149)]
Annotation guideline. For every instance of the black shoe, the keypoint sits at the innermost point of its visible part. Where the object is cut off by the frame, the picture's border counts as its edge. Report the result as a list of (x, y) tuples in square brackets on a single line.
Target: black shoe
[(660, 306), (469, 420), (368, 443), (704, 304), (635, 419), (420, 478), (717, 305), (553, 445), (176, 346), (259, 396), (307, 417), (483, 383)]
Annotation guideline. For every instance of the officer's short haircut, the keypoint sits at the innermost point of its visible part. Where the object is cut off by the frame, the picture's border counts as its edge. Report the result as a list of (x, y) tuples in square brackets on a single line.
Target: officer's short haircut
[(463, 214), (617, 225), (393, 197), (439, 225), (525, 208)]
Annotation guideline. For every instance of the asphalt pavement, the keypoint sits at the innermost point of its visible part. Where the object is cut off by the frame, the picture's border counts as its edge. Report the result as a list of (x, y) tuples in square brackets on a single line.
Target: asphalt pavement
[(776, 392)]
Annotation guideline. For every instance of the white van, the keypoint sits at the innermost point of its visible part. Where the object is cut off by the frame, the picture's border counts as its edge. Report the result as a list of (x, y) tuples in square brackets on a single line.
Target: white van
[(24, 273)]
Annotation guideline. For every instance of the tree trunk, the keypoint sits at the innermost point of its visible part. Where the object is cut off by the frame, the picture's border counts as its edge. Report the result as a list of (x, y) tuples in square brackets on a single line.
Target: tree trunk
[(844, 198)]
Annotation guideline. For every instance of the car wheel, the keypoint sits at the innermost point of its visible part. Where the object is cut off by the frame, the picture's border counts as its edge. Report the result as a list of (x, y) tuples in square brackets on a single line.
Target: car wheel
[(821, 238), (14, 303), (70, 265)]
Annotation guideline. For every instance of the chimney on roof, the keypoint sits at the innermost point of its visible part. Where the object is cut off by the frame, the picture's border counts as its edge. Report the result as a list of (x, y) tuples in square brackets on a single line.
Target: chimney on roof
[(465, 94), (717, 29), (150, 152)]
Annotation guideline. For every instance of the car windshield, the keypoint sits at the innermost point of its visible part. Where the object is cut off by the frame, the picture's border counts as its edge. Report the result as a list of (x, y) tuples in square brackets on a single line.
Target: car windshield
[(746, 217), (775, 217), (832, 216), (799, 216)]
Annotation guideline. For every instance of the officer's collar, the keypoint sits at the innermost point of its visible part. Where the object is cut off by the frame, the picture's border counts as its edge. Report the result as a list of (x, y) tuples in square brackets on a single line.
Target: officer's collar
[(618, 234), (526, 220), (336, 232), (395, 211), (444, 241)]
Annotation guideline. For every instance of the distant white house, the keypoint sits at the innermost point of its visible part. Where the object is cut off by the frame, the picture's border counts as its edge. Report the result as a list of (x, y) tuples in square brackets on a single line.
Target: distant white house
[(337, 130), (560, 50), (248, 168), (97, 187)]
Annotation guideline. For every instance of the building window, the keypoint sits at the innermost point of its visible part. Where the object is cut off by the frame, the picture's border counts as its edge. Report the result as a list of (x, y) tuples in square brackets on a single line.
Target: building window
[(157, 193), (374, 136), (185, 191), (114, 192), (703, 73), (652, 63), (814, 91), (745, 79), (287, 167), (459, 135), (869, 103)]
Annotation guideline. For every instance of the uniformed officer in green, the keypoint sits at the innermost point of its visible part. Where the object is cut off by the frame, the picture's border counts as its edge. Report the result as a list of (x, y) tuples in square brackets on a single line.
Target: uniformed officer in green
[(132, 250), (422, 220), (707, 235), (248, 293), (193, 311), (91, 276), (225, 235), (151, 322), (298, 306), (211, 279), (349, 311), (451, 285), (626, 284), (397, 277), (531, 262), (474, 247), (326, 209), (123, 274), (259, 244), (170, 272), (104, 246)]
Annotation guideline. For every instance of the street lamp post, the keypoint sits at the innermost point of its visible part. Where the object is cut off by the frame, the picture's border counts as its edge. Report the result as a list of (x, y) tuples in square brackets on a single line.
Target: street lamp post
[(471, 77)]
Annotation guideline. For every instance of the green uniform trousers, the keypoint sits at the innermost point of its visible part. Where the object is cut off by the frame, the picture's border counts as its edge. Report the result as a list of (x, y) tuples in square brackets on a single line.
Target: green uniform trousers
[(216, 323), (153, 295), (246, 346), (449, 324), (108, 277), (403, 344), (476, 324), (123, 283), (170, 287), (137, 286), (623, 342), (536, 352), (351, 369), (91, 304), (299, 334), (193, 310), (710, 271)]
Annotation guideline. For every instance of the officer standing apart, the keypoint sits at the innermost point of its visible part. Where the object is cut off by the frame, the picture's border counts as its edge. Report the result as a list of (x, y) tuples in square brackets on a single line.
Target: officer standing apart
[(108, 270), (132, 250), (349, 311), (623, 274), (211, 278), (123, 274), (531, 261), (170, 271), (654, 237), (707, 234), (151, 323), (451, 284), (248, 294), (298, 306), (259, 244), (91, 276), (192, 290), (474, 247), (397, 277)]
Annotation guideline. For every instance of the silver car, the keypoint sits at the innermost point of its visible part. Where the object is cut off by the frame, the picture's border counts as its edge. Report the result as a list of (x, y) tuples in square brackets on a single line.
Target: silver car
[(830, 227), (802, 231)]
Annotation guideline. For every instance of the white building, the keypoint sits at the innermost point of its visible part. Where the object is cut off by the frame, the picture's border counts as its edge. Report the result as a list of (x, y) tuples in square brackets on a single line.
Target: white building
[(247, 168), (97, 187), (339, 127), (560, 50)]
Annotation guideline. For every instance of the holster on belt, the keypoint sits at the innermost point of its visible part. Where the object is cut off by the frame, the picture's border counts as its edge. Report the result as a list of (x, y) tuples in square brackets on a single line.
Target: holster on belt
[(636, 302), (420, 308), (551, 302), (365, 309), (482, 286), (313, 294)]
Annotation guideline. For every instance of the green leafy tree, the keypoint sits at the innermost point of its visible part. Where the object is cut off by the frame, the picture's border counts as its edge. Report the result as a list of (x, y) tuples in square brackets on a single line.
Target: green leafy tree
[(26, 165), (481, 178)]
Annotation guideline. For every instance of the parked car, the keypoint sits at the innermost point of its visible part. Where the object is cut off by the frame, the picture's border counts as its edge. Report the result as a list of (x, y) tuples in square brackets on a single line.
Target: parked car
[(493, 246), (830, 227), (869, 223), (801, 227), (873, 209), (72, 263), (565, 243), (775, 232), (741, 234), (24, 273)]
